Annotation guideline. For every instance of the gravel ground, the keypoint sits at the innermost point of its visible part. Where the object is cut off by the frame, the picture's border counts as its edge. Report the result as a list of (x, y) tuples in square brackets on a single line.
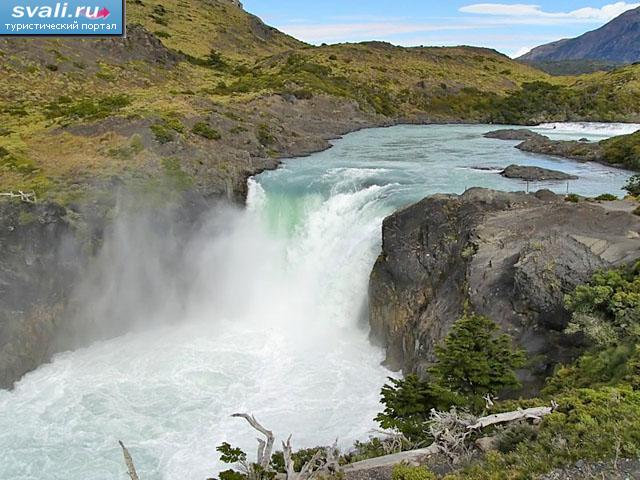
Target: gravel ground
[(624, 469)]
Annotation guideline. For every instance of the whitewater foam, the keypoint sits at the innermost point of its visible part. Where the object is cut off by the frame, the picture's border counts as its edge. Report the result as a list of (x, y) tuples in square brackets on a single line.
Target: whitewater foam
[(591, 128)]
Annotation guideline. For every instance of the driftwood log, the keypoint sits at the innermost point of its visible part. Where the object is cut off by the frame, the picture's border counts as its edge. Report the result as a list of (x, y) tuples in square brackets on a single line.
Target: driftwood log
[(534, 414)]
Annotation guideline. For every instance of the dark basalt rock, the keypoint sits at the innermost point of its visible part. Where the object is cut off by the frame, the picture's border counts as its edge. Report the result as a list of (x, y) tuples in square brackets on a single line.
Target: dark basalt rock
[(571, 149), (512, 134), (509, 256), (535, 174), (39, 257)]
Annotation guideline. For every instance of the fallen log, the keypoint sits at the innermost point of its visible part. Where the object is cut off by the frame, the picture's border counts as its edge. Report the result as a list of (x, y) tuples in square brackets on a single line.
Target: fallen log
[(411, 456), (535, 414)]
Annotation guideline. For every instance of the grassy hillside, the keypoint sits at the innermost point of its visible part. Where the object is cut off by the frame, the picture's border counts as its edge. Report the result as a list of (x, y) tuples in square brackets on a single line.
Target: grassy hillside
[(192, 83)]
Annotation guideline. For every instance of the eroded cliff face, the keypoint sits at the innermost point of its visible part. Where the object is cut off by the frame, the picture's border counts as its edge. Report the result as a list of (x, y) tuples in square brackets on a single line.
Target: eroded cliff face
[(40, 257), (509, 256)]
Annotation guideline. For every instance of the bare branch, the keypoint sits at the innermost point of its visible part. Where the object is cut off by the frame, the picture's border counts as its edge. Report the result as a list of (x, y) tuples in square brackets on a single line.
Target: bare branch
[(27, 197), (265, 448), (129, 462), (288, 462)]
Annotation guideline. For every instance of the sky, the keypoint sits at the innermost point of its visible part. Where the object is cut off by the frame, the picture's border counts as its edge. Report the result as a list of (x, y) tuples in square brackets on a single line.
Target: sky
[(512, 28)]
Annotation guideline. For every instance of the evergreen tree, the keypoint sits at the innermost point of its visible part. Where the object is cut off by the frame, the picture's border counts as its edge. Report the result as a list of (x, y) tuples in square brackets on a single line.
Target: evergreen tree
[(476, 360)]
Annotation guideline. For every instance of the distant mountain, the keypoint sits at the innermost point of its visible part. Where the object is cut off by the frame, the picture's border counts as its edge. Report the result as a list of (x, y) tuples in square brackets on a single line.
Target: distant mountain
[(617, 42)]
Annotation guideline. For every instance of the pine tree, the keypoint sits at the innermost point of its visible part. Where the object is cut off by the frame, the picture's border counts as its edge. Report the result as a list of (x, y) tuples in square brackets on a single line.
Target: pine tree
[(476, 360)]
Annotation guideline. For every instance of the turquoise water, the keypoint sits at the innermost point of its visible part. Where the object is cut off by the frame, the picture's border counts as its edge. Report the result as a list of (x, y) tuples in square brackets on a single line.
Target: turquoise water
[(274, 320), (411, 162)]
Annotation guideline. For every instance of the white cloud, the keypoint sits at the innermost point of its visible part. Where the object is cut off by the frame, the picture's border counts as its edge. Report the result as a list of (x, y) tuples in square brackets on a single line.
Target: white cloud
[(535, 13), (331, 32), (521, 52)]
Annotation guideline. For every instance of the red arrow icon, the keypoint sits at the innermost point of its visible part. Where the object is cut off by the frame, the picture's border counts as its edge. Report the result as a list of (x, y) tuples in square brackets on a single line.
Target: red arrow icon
[(103, 13)]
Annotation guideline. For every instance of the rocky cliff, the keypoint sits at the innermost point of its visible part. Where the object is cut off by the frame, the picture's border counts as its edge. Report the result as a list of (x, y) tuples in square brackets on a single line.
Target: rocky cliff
[(510, 256), (40, 256)]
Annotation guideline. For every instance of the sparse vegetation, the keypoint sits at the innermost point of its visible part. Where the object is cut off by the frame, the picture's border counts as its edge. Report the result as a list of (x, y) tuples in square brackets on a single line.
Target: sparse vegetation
[(204, 130)]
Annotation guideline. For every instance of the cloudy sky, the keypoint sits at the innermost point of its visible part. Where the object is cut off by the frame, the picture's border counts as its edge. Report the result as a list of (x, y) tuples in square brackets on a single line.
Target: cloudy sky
[(512, 28)]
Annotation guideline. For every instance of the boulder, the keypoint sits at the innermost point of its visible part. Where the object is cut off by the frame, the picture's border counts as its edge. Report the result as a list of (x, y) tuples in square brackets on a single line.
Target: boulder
[(509, 256), (512, 134), (535, 174)]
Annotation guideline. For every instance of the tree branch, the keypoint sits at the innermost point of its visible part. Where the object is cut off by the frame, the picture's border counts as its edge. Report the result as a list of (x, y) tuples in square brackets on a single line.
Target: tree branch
[(129, 461), (265, 448)]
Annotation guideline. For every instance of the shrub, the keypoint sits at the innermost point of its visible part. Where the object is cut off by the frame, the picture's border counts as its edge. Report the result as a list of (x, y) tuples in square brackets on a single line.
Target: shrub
[(264, 135), (572, 197), (606, 197), (613, 366), (407, 472), (300, 458), (633, 186), (408, 403), (204, 130), (162, 133), (87, 108), (589, 425), (607, 309), (509, 439), (214, 59)]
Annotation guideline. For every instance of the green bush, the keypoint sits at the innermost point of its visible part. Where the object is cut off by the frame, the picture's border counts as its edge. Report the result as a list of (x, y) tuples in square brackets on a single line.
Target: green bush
[(606, 197), (572, 197), (204, 130), (162, 133), (165, 129), (589, 425), (633, 186), (607, 309), (86, 108), (300, 458), (509, 439), (408, 403), (406, 472), (264, 135), (612, 366)]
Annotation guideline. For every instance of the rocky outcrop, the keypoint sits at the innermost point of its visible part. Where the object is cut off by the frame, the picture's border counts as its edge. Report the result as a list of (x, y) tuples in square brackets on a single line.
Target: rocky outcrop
[(581, 150), (575, 150), (535, 174), (512, 134), (510, 256), (40, 258)]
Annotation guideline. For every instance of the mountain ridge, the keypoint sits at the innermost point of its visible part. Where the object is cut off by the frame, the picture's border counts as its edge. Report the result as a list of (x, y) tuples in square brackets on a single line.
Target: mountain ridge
[(617, 42)]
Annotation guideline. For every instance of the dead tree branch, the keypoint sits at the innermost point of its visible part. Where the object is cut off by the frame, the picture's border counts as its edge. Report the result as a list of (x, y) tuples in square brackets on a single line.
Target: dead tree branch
[(27, 197), (265, 447), (129, 462)]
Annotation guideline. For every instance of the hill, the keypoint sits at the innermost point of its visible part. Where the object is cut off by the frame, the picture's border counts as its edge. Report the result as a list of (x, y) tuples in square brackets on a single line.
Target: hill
[(203, 94), (617, 42)]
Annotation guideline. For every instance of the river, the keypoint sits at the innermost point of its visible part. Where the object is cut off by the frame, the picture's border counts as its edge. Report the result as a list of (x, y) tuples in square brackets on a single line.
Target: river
[(274, 322)]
